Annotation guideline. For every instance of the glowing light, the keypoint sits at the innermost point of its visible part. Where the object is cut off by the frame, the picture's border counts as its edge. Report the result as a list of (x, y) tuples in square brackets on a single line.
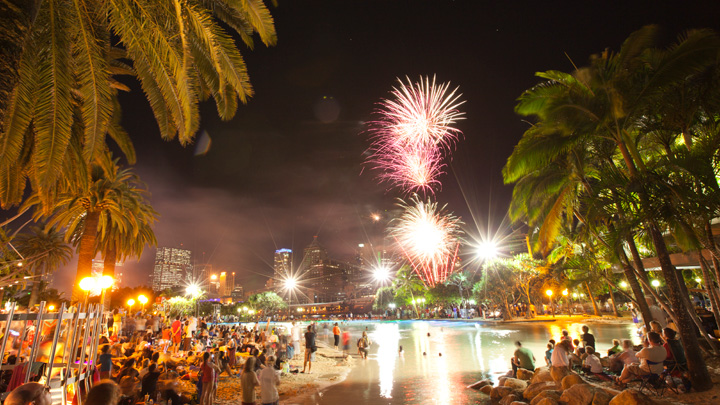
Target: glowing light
[(299, 309), (392, 305), (142, 299), (375, 217), (428, 237), (290, 283), (88, 283), (575, 295), (381, 274), (106, 282), (51, 307), (487, 250), (193, 290), (472, 302), (245, 309), (623, 284), (251, 311), (239, 310), (19, 264), (361, 245), (697, 280), (131, 302), (565, 292), (414, 129), (549, 293), (213, 277), (655, 283)]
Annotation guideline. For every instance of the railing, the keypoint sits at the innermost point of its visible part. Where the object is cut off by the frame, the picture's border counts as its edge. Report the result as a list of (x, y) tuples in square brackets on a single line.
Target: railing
[(55, 347)]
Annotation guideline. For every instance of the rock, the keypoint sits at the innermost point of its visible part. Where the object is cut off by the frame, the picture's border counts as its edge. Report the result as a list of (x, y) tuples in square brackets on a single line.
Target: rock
[(526, 375), (558, 373), (486, 389), (516, 384), (631, 397), (552, 394), (509, 399), (578, 394), (571, 380), (547, 401), (541, 375), (534, 389), (501, 381), (500, 392), (519, 403), (601, 398), (479, 384)]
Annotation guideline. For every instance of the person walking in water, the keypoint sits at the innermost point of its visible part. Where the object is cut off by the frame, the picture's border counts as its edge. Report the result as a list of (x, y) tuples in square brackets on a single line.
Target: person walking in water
[(364, 345), (336, 335), (310, 349)]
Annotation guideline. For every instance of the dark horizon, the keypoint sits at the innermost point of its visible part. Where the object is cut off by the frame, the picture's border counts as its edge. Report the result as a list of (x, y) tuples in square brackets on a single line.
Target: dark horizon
[(290, 164)]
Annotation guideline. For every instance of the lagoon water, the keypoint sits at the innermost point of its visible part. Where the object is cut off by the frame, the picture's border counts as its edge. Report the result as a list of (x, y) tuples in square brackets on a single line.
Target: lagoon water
[(436, 368)]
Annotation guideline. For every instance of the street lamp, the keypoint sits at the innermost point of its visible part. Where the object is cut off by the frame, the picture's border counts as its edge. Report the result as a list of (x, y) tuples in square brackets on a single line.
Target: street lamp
[(550, 294), (130, 304), (487, 250), (87, 284), (623, 284), (565, 294), (143, 300), (656, 283), (104, 282), (51, 307)]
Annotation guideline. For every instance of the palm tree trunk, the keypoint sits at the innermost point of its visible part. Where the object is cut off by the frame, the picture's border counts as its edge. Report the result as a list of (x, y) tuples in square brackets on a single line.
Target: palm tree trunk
[(592, 298), (612, 298), (709, 286), (711, 245), (699, 375), (35, 291), (109, 270), (86, 253), (637, 260)]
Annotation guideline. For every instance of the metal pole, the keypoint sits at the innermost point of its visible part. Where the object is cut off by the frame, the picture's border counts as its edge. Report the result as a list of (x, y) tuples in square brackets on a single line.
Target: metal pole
[(36, 341), (7, 329), (53, 348)]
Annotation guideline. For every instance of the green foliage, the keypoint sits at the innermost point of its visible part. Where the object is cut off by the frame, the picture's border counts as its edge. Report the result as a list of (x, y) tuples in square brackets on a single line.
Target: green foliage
[(383, 297), (268, 302)]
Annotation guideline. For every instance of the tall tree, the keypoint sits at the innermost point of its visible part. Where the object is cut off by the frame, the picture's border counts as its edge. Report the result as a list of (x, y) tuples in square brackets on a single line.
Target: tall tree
[(46, 252)]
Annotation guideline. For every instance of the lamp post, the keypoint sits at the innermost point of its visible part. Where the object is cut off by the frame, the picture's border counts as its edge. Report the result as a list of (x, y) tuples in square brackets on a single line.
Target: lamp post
[(130, 304), (550, 294), (656, 283), (87, 284), (565, 297)]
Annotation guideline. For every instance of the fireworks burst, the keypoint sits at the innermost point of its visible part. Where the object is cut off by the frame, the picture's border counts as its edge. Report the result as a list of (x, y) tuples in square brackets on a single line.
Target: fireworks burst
[(415, 129), (428, 236)]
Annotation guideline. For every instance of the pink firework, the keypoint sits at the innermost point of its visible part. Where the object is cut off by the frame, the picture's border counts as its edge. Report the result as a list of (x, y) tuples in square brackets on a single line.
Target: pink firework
[(429, 237), (415, 129)]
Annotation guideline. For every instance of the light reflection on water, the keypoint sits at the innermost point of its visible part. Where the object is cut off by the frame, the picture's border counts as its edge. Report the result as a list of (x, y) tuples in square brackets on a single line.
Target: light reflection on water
[(470, 352)]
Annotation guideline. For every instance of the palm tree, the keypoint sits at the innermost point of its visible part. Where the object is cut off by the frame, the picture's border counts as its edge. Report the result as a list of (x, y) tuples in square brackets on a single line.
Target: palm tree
[(46, 251), (59, 101), (407, 283), (609, 100)]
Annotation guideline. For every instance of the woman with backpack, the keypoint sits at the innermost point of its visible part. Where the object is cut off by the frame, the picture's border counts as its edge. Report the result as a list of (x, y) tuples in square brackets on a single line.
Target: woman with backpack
[(364, 345)]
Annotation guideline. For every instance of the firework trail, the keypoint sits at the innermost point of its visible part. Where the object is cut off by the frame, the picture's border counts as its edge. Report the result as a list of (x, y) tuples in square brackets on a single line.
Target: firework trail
[(429, 237), (414, 131)]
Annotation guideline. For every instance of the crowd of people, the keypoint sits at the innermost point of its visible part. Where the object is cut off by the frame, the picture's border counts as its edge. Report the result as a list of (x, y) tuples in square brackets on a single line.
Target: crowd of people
[(660, 355)]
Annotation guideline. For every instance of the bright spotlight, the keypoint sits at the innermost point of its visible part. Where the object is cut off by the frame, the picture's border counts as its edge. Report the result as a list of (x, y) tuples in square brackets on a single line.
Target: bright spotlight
[(192, 290), (487, 250), (655, 283), (375, 217), (381, 274), (290, 283), (623, 284)]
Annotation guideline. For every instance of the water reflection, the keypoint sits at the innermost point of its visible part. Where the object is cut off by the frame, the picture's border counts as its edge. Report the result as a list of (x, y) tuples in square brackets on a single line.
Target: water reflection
[(470, 352)]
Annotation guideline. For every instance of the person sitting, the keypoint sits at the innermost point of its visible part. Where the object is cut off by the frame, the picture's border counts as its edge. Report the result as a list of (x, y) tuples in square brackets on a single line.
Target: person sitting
[(105, 392), (149, 381), (651, 361), (673, 347), (524, 358), (559, 357), (548, 354), (616, 347), (592, 364), (29, 393), (587, 338)]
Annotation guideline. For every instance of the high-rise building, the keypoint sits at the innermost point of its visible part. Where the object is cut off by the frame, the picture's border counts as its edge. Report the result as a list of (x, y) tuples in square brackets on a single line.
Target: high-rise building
[(313, 254), (282, 265), (223, 290), (231, 282), (172, 267), (237, 294)]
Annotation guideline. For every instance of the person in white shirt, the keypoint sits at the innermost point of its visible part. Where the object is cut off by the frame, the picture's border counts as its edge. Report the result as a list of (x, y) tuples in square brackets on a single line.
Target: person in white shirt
[(651, 361), (559, 356), (295, 333), (592, 364), (269, 380), (192, 325)]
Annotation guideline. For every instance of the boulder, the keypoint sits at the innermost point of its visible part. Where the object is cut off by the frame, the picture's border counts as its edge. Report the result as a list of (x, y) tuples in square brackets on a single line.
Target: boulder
[(519, 403), (509, 399), (523, 374), (534, 389), (558, 373), (578, 394), (541, 375), (552, 394), (479, 384), (631, 397), (500, 392), (601, 398), (571, 380), (501, 381), (486, 389), (547, 401), (516, 384)]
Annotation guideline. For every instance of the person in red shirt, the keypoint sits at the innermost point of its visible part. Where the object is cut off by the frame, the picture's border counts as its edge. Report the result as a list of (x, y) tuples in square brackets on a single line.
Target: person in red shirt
[(208, 372), (176, 332)]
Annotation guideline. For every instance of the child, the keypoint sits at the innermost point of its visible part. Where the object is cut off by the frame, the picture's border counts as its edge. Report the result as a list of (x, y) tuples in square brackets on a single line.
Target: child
[(592, 365), (548, 354)]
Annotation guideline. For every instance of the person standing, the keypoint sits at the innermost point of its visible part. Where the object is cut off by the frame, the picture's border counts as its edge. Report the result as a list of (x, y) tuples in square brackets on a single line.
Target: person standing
[(346, 343), (269, 380), (310, 349), (336, 335), (295, 337), (249, 381), (176, 333)]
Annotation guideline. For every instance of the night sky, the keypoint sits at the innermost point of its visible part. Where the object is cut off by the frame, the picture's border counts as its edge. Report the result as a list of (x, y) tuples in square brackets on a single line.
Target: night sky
[(289, 165)]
